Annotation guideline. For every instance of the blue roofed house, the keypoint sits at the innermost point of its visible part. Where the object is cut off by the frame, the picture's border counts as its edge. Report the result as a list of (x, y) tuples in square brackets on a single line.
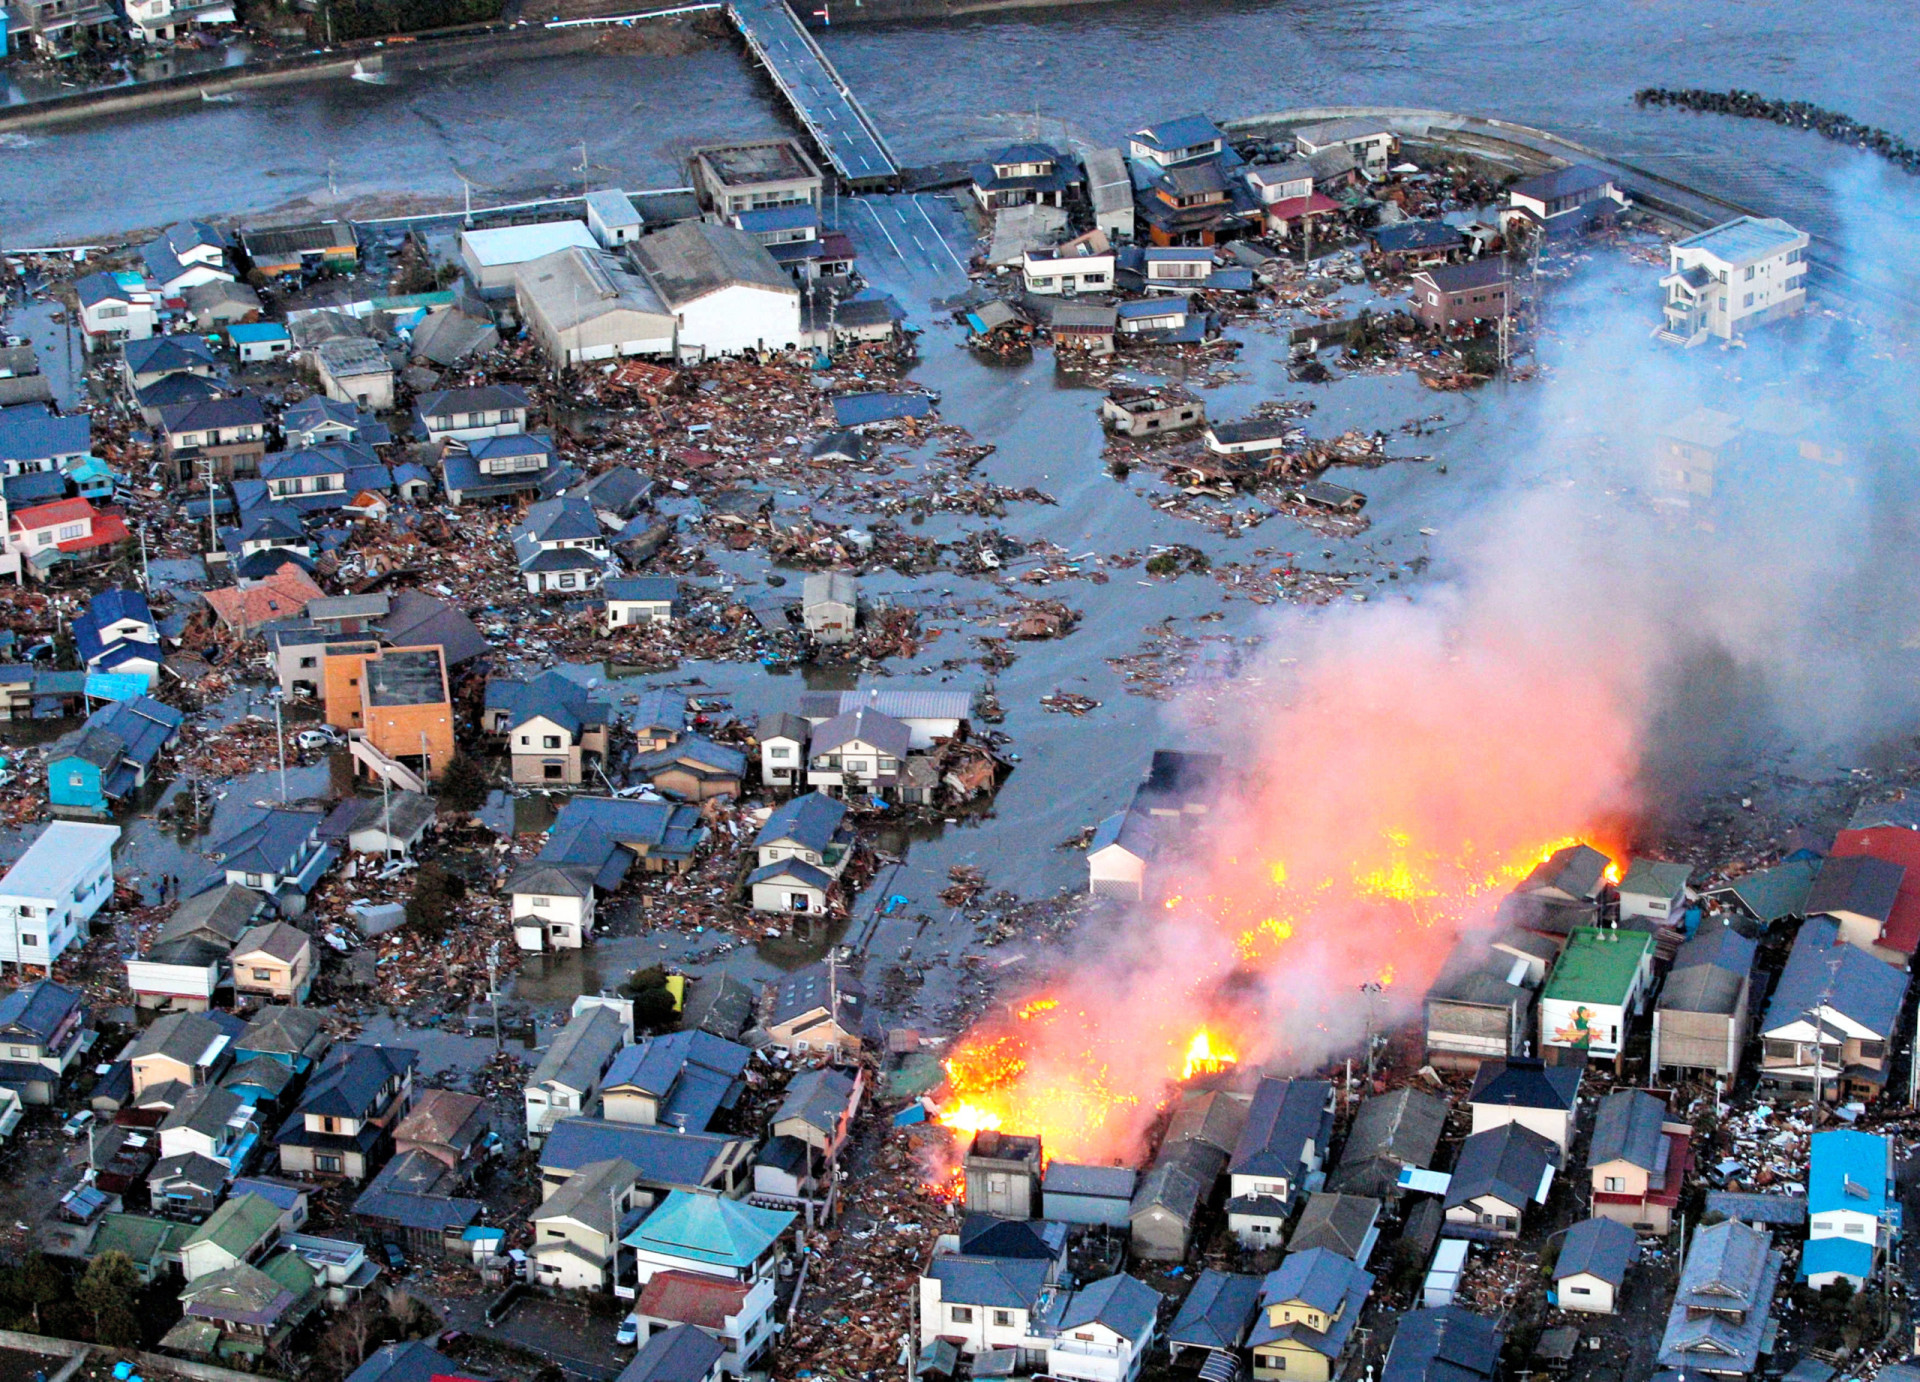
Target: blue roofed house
[(153, 359), (560, 546), (41, 1026), (589, 850), (1184, 139), (552, 724), (1449, 1344), (984, 1304), (1024, 175), (1216, 1316), (1309, 1306), (94, 768), (567, 1080), (665, 1158), (117, 634), (1853, 1212), (706, 1234), (260, 341), (321, 421), (694, 769), (802, 849), (640, 601), (1727, 280), (1284, 1142), (1720, 1322), (1831, 1020), (275, 850), (500, 467), (342, 1126), (34, 441), (115, 307), (680, 1079), (185, 255), (577, 1229), (1101, 1332)]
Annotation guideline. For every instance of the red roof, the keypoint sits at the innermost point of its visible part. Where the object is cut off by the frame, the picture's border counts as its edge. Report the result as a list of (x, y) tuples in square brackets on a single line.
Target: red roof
[(689, 1298), (1313, 204), (1891, 844), (51, 515), (108, 529)]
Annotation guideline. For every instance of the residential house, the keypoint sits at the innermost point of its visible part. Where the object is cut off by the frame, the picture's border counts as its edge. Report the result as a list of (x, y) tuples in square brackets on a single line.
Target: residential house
[(802, 849), (1177, 269), (1073, 1194), (1701, 1022), (150, 1244), (818, 1009), (982, 1304), (267, 600), (706, 1234), (500, 467), (567, 1081), (1142, 412), (292, 1037), (1085, 265), (1251, 437), (1597, 990), (1110, 191), (259, 342), (408, 1362), (414, 1204), (725, 291), (302, 248), (1215, 1318), (1371, 143), (386, 826), (340, 1266), (930, 714), (1024, 175), (244, 1229), (1566, 201), (1638, 1161), (117, 634), (682, 1079), (736, 1315), (589, 851), (274, 962), (35, 442), (1345, 1224), (644, 601), (1309, 1307), (809, 1129), (355, 370), (1832, 1018), (1001, 1173), (186, 254), (115, 307), (226, 437), (454, 1129), (560, 546), (186, 963), (1655, 891), (830, 606), (1448, 1344), (783, 739), (1184, 139), (93, 769), (66, 531), (149, 361), (1721, 1317), (1728, 280), (1170, 1194), (42, 1030), (1499, 1173), (859, 750), (181, 1050), (1416, 244), (1853, 1208), (585, 303), (555, 727), (731, 178), (1859, 893), (577, 1229), (1389, 1133), (798, 242), (678, 1353), (694, 769), (1895, 844), (342, 1127), (213, 1122), (245, 1311), (288, 1198), (617, 494), (719, 1004), (216, 306), (49, 897), (469, 414), (1189, 204), (275, 850), (1592, 1266), (1289, 1126), (1446, 296), (667, 1159), (1527, 1091), (1101, 1332)]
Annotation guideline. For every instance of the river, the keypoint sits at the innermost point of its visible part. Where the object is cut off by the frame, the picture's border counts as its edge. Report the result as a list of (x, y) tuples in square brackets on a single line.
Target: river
[(946, 91)]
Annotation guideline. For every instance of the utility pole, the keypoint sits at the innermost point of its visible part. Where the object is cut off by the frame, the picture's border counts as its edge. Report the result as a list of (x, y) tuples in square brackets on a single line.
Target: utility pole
[(213, 526), (493, 991), (1819, 1016), (146, 575), (280, 742), (583, 170), (1371, 988)]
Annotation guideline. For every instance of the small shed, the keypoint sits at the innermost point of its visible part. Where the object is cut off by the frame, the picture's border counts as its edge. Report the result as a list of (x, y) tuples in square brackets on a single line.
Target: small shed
[(1592, 1265), (1075, 1194), (830, 606), (1443, 1277)]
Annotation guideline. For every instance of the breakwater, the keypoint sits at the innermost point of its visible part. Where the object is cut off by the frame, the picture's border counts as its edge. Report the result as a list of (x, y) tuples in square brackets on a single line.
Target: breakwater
[(1828, 124)]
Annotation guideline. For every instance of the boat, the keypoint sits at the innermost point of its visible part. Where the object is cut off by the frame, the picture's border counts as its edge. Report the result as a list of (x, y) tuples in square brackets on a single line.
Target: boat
[(224, 98), (375, 77)]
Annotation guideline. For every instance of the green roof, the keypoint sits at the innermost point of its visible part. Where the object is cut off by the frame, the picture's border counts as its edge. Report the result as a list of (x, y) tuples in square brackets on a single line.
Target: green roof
[(238, 1224), (140, 1236), (1776, 893), (709, 1229), (1597, 966), (291, 1270)]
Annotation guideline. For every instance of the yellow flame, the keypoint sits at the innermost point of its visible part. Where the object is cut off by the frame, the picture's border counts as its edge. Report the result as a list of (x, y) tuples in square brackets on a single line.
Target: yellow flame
[(1038, 1005), (1277, 870), (1206, 1055)]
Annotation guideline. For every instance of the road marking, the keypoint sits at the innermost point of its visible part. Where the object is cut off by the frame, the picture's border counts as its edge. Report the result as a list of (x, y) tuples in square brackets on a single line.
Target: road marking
[(941, 237), (883, 230)]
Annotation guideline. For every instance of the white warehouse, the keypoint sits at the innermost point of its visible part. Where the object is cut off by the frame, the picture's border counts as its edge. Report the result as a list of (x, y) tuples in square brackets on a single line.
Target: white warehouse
[(723, 288)]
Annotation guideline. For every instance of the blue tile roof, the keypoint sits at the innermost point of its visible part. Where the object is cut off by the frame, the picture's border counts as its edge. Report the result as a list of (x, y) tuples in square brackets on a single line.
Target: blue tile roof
[(1849, 1171), (32, 433)]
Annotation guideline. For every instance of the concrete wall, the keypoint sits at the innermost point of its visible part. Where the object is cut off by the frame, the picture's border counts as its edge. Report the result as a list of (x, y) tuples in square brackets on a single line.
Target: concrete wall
[(77, 1353)]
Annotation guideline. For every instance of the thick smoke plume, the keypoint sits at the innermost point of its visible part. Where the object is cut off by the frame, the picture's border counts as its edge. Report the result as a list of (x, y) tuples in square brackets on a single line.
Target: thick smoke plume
[(1593, 652)]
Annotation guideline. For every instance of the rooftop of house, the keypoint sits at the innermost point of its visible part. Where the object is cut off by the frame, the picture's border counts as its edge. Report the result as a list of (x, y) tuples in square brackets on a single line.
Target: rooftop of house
[(579, 1055), (989, 1283), (1599, 966), (1851, 1171), (1526, 1082), (1570, 181), (1628, 1127), (1285, 1116), (709, 1229), (770, 160), (665, 1156), (1602, 1248), (1856, 885), (1217, 1312), (679, 1353), (1824, 972), (696, 258), (348, 1084), (37, 1010), (1744, 239), (1509, 1162)]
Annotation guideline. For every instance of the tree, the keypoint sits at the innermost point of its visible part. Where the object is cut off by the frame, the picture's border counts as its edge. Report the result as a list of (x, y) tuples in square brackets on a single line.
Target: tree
[(108, 1292), (464, 787), (32, 1286), (654, 1008), (430, 908)]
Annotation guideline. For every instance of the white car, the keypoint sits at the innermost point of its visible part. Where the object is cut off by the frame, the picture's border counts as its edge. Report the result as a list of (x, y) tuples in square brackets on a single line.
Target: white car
[(628, 1333), (316, 739)]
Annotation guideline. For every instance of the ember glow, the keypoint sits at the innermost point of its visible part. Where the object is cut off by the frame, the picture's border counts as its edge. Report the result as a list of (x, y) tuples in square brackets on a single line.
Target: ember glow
[(1206, 1056)]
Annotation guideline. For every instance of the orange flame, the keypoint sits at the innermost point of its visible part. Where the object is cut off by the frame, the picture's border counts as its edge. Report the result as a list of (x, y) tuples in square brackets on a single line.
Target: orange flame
[(1206, 1056)]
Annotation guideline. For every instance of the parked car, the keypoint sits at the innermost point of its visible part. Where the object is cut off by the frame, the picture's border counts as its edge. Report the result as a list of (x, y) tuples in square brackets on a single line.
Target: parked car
[(396, 1259), (316, 739), (78, 1124), (628, 1333)]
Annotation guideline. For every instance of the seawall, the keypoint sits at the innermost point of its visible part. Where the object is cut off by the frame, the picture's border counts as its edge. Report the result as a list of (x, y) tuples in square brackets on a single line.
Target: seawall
[(913, 11)]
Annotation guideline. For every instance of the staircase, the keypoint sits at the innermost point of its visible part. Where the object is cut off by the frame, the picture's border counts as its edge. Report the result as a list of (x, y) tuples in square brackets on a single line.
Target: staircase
[(377, 764)]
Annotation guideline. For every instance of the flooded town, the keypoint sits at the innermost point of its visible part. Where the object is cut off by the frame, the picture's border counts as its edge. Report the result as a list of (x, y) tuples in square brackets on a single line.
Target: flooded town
[(947, 689)]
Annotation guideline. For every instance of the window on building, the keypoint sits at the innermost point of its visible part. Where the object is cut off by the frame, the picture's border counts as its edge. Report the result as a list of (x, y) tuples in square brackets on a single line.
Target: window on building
[(798, 902), (1873, 1050), (1747, 301), (327, 1164), (960, 1314), (542, 902), (567, 580), (554, 772), (550, 741), (1003, 1318), (329, 1124), (21, 1052), (253, 880), (1748, 277), (1579, 1290), (263, 976), (1613, 1184), (779, 751), (28, 942)]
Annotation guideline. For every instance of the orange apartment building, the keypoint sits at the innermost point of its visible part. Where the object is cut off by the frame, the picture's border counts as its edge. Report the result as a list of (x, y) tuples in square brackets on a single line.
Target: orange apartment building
[(396, 698)]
